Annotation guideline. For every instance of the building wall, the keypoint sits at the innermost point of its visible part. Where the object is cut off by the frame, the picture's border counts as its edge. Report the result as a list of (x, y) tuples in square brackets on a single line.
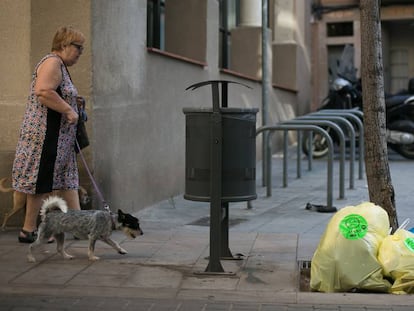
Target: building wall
[(139, 126), (397, 20), (135, 96), (15, 67)]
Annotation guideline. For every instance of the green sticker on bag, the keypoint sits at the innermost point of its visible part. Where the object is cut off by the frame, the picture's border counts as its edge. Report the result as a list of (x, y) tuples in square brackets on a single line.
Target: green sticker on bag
[(409, 242), (353, 227)]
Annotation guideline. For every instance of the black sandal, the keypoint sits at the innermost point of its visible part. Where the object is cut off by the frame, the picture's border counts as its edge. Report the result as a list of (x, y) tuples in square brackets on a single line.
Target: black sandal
[(27, 237)]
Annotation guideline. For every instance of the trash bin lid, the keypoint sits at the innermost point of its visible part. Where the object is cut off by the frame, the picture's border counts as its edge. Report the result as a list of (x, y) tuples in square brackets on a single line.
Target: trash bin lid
[(222, 110)]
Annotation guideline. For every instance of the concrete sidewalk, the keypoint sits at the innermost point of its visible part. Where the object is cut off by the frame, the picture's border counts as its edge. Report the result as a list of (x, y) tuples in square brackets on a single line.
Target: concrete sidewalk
[(161, 270)]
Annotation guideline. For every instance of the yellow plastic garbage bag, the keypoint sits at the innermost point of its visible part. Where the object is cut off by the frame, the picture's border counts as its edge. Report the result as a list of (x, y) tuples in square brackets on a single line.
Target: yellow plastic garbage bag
[(396, 255), (346, 257)]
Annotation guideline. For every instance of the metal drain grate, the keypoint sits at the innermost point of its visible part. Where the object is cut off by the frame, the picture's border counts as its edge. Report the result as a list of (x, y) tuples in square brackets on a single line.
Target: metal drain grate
[(304, 264), (304, 275), (205, 221)]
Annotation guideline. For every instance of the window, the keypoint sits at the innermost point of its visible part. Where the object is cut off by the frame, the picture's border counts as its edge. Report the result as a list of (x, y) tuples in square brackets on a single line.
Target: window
[(343, 29), (178, 28), (155, 23)]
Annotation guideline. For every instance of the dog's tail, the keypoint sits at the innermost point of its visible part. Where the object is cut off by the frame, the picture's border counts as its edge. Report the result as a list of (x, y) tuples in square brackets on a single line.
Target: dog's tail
[(53, 203), (3, 187)]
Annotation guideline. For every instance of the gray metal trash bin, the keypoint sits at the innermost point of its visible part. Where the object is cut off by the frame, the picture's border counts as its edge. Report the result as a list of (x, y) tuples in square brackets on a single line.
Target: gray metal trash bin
[(238, 156)]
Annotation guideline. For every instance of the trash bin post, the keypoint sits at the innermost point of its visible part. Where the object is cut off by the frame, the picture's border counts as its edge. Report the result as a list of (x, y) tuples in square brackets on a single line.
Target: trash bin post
[(214, 264), (226, 181), (225, 252)]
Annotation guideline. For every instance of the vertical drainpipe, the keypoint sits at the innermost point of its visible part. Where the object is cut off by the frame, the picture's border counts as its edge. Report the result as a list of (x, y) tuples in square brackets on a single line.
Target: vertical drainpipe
[(225, 40), (266, 156)]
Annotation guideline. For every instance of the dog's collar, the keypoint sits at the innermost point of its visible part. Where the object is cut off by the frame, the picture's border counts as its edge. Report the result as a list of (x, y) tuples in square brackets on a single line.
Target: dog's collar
[(113, 221)]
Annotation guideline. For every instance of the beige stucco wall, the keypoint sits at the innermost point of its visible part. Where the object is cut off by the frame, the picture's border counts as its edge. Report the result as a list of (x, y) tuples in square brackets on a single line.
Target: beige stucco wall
[(14, 64), (46, 17), (14, 81)]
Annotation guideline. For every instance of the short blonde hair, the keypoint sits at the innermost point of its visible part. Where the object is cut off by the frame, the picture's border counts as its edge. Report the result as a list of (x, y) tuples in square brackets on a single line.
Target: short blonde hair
[(66, 35)]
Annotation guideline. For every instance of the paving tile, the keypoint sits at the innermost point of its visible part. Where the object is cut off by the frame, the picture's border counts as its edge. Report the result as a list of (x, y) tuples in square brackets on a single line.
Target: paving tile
[(246, 307), (192, 306), (177, 252), (277, 279), (210, 282), (154, 277), (217, 307), (51, 273), (267, 307)]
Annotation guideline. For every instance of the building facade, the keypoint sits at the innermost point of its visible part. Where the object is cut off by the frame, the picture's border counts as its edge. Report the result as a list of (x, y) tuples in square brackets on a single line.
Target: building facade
[(336, 23), (139, 58), (141, 55)]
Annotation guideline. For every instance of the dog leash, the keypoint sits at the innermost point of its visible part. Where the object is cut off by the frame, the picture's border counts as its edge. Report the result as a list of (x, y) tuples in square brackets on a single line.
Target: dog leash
[(104, 203)]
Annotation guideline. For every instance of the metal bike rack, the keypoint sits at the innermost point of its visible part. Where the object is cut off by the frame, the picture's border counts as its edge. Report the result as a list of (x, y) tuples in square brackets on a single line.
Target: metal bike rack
[(300, 127), (341, 135), (354, 116), (351, 132), (354, 111)]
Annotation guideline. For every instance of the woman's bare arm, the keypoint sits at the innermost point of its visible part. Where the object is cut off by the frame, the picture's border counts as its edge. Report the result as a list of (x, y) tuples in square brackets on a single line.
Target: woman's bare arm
[(49, 77)]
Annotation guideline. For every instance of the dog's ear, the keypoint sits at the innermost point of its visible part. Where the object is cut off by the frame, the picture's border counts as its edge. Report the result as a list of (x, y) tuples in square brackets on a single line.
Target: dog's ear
[(128, 220), (121, 216)]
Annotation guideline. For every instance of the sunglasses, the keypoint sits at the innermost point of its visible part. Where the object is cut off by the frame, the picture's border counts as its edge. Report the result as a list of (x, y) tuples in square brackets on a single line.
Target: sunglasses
[(78, 46)]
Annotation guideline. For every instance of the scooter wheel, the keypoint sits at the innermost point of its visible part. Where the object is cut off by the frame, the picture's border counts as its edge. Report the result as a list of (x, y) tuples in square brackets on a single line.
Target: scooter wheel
[(319, 146)]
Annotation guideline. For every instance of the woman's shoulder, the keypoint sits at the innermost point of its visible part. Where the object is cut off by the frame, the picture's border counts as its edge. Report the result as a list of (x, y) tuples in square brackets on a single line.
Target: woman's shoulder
[(51, 59), (49, 65)]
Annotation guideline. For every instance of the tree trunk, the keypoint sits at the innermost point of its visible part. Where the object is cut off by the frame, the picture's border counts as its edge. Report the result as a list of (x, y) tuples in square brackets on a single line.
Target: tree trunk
[(381, 190)]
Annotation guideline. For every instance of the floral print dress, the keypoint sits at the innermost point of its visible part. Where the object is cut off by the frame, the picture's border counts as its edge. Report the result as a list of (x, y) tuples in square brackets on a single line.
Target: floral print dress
[(45, 157)]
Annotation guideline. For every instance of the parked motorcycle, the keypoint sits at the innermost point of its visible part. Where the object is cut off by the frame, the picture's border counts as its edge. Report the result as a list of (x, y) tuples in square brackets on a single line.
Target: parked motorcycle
[(346, 93), (400, 123)]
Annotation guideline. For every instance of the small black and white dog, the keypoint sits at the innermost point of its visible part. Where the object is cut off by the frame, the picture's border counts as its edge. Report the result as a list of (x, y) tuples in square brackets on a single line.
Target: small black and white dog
[(84, 224)]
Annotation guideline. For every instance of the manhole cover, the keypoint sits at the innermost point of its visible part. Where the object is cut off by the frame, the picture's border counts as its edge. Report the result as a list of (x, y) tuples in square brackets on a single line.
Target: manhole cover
[(205, 221), (304, 275)]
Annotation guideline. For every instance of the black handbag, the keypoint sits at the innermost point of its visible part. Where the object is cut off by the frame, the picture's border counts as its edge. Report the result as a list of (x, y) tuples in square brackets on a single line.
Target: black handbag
[(82, 139)]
